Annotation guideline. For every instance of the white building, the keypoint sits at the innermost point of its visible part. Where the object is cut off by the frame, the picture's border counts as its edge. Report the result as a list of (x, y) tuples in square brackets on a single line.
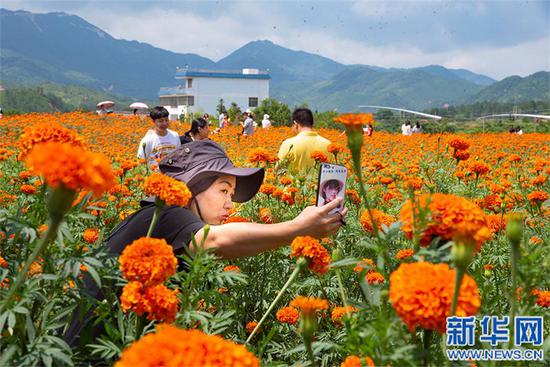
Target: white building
[(201, 90)]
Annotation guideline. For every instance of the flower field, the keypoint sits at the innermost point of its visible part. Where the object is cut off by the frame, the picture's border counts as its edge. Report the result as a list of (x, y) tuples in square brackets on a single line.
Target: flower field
[(438, 225)]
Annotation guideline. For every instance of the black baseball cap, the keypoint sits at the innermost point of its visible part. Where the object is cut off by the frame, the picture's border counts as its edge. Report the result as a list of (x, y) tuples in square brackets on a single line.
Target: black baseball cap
[(197, 160)]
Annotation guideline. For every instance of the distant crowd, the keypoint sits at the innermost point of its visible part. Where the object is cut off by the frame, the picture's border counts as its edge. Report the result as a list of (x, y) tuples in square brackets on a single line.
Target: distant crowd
[(160, 141)]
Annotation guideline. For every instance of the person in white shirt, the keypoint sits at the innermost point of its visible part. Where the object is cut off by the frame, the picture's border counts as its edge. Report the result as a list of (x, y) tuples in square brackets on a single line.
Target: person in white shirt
[(417, 129), (265, 122), (406, 128), (160, 141), (519, 131)]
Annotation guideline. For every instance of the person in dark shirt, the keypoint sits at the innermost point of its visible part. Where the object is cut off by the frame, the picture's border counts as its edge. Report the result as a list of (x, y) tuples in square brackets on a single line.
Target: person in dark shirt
[(215, 184), (200, 129)]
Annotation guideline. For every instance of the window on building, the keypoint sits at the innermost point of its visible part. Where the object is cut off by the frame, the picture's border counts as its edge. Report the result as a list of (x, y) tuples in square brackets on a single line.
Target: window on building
[(169, 101), (252, 101), (190, 83)]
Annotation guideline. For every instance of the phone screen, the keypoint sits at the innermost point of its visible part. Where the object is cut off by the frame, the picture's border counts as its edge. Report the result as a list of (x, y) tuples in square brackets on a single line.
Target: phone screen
[(331, 184)]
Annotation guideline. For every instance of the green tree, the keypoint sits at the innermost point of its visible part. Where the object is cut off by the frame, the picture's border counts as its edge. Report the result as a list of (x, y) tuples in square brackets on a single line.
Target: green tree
[(326, 119), (220, 108), (234, 112), (279, 113)]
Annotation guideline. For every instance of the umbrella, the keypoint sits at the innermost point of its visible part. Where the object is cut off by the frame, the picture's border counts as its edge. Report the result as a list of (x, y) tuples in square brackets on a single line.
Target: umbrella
[(105, 104), (138, 105)]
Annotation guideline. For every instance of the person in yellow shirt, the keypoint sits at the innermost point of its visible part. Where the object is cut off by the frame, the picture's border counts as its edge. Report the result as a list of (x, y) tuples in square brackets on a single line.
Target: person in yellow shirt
[(297, 150)]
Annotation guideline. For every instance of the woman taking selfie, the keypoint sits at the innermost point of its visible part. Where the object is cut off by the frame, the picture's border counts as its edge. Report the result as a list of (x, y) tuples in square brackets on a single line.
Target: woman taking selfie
[(215, 184)]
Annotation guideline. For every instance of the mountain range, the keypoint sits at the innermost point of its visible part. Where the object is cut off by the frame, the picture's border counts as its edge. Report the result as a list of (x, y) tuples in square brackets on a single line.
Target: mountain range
[(65, 49)]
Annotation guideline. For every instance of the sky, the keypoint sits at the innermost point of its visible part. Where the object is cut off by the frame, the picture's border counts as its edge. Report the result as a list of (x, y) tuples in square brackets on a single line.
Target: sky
[(496, 38)]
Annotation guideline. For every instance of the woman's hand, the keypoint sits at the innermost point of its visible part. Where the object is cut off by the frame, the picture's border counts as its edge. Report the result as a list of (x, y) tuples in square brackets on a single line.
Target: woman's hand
[(317, 222)]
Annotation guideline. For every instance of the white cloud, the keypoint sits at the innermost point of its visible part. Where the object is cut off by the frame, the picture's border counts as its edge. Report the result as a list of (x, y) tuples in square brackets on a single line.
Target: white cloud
[(217, 33), (497, 62), (214, 37)]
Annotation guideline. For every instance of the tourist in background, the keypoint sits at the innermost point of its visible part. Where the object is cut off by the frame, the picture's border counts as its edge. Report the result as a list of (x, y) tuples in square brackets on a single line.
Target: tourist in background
[(159, 141), (200, 129), (417, 129), (248, 123), (297, 150), (406, 128), (265, 122), (368, 130)]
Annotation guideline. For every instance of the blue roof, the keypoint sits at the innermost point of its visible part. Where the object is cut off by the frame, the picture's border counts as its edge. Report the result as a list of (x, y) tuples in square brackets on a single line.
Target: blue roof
[(221, 74)]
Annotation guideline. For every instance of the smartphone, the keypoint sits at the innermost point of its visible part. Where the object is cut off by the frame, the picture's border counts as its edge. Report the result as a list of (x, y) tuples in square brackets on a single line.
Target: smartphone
[(331, 184)]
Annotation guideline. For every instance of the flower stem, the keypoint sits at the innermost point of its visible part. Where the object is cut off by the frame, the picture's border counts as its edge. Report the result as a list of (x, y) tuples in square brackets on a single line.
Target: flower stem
[(460, 271), (342, 293), (299, 265), (156, 215), (513, 297), (51, 233), (427, 341), (309, 350)]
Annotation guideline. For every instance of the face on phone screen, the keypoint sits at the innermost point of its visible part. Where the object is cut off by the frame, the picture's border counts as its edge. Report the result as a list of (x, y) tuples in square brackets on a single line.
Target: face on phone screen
[(331, 184)]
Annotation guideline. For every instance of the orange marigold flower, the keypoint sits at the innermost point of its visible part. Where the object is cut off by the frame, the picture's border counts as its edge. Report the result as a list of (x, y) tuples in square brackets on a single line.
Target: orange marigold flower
[(339, 312), (539, 180), (491, 202), (267, 189), (43, 228), (309, 305), (287, 198), (353, 196), (496, 223), (234, 268), (285, 181), (537, 197), (379, 218), (185, 348), (335, 148), (167, 189), (288, 315), (3, 263), (404, 254), (355, 120), (414, 183), (421, 293), (157, 301), (479, 168), (90, 235), (250, 326), (450, 216), (25, 174), (28, 189), (319, 156), (543, 298), (265, 215), (311, 249), (459, 144), (374, 277), (148, 260), (536, 240), (461, 155), (71, 167), (47, 132), (488, 267), (236, 219), (354, 361), (364, 264), (35, 268), (259, 155)]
